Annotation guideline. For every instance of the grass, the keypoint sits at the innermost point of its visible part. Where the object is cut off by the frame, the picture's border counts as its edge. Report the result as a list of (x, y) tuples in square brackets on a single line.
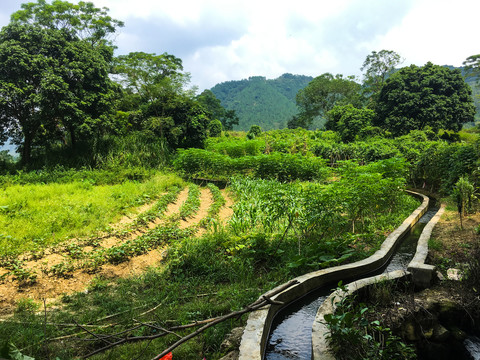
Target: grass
[(201, 278), (34, 216), (196, 284)]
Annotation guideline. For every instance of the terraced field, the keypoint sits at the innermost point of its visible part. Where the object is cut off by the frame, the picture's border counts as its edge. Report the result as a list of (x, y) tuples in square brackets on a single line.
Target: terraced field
[(131, 245)]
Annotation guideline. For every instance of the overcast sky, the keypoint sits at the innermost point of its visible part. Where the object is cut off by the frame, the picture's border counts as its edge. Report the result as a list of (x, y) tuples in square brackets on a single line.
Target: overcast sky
[(220, 40)]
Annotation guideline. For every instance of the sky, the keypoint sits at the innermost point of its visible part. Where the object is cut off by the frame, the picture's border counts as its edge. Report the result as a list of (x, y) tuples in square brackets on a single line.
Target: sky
[(222, 40)]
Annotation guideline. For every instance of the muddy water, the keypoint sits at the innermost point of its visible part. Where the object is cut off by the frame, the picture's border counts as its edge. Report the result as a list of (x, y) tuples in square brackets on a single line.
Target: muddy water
[(290, 337)]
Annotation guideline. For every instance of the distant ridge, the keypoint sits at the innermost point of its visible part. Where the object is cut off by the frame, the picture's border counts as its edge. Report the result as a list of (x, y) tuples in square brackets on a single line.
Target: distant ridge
[(258, 101), (270, 103)]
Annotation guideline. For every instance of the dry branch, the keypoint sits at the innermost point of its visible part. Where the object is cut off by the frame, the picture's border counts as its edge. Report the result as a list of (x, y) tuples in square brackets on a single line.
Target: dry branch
[(261, 302)]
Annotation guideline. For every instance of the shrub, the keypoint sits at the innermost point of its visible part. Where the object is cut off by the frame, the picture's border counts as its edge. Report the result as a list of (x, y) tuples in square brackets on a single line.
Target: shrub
[(352, 336), (215, 128)]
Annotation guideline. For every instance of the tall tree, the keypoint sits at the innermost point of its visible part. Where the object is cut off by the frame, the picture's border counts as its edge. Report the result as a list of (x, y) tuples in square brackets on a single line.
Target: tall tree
[(322, 94), (228, 118), (472, 66), (416, 97), (378, 66), (156, 100), (83, 20), (54, 73), (51, 86)]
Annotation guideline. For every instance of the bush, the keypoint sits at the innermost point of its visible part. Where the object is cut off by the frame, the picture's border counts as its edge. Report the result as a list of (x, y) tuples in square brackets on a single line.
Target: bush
[(254, 131), (215, 128)]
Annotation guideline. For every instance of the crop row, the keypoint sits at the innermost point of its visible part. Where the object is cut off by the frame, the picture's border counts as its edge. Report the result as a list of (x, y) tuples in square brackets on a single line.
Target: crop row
[(91, 261)]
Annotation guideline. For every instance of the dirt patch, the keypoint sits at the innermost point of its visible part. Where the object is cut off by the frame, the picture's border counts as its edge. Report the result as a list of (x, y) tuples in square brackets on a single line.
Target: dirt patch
[(130, 218), (451, 245)]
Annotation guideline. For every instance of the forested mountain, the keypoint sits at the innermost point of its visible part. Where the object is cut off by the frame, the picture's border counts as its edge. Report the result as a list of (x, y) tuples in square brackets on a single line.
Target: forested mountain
[(258, 101), (271, 103)]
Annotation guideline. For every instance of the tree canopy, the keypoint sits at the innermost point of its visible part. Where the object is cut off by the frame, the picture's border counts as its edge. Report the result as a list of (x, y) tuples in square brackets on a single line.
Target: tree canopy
[(417, 97), (51, 85), (83, 20), (155, 99), (228, 118), (322, 94), (378, 66), (348, 121)]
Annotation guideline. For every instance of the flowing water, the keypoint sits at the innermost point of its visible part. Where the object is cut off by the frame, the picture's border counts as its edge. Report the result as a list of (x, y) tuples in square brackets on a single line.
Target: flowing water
[(290, 336), (472, 345)]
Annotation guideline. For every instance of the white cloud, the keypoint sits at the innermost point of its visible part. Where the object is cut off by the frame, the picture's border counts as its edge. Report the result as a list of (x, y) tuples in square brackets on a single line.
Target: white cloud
[(221, 40), (439, 31)]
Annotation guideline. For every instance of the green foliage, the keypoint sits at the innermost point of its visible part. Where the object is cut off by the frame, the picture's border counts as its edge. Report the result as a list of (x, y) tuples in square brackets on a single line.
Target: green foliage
[(218, 202), (441, 165), (215, 128), (283, 167), (254, 131), (348, 121), (463, 193), (228, 118), (322, 94), (58, 84), (268, 103), (34, 216), (154, 99), (82, 20), (378, 66), (235, 147), (415, 97), (352, 336), (317, 210), (191, 205)]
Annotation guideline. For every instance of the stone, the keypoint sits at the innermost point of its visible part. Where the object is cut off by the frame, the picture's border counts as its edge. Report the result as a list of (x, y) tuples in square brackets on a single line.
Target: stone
[(454, 274), (440, 276), (232, 340), (409, 332), (458, 333), (440, 333), (427, 334)]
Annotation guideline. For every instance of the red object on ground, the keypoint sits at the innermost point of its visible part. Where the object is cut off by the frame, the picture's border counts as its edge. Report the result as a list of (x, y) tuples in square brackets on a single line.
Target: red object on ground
[(167, 357)]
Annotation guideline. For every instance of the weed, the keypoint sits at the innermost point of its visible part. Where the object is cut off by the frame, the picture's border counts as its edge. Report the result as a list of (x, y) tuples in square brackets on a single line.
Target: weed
[(435, 244), (352, 336), (25, 305), (23, 275), (64, 269)]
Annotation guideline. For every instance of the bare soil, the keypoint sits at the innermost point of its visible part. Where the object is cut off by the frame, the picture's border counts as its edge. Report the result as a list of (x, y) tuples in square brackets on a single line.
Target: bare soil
[(48, 288)]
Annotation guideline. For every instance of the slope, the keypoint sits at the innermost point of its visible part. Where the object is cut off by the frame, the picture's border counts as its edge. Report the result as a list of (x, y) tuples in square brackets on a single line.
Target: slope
[(258, 101)]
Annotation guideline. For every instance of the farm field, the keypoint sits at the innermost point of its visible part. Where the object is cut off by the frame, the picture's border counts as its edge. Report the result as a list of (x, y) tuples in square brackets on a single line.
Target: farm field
[(171, 252), (133, 214)]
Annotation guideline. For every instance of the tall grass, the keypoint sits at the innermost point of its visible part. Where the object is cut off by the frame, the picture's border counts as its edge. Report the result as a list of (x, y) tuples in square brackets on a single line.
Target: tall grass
[(105, 151)]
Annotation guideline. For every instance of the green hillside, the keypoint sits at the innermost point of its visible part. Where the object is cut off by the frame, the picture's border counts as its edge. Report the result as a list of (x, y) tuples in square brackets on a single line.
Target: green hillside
[(258, 101)]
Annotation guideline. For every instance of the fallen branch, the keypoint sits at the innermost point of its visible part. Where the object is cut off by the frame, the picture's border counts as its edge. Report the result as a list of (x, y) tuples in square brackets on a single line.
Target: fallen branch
[(261, 302)]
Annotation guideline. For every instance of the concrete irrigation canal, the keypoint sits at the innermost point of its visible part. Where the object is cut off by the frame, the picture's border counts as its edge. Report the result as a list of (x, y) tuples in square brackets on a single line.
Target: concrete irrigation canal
[(294, 330)]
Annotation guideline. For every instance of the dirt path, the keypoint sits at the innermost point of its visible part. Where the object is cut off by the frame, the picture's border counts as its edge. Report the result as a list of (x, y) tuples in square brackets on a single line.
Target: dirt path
[(205, 202), (49, 288)]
